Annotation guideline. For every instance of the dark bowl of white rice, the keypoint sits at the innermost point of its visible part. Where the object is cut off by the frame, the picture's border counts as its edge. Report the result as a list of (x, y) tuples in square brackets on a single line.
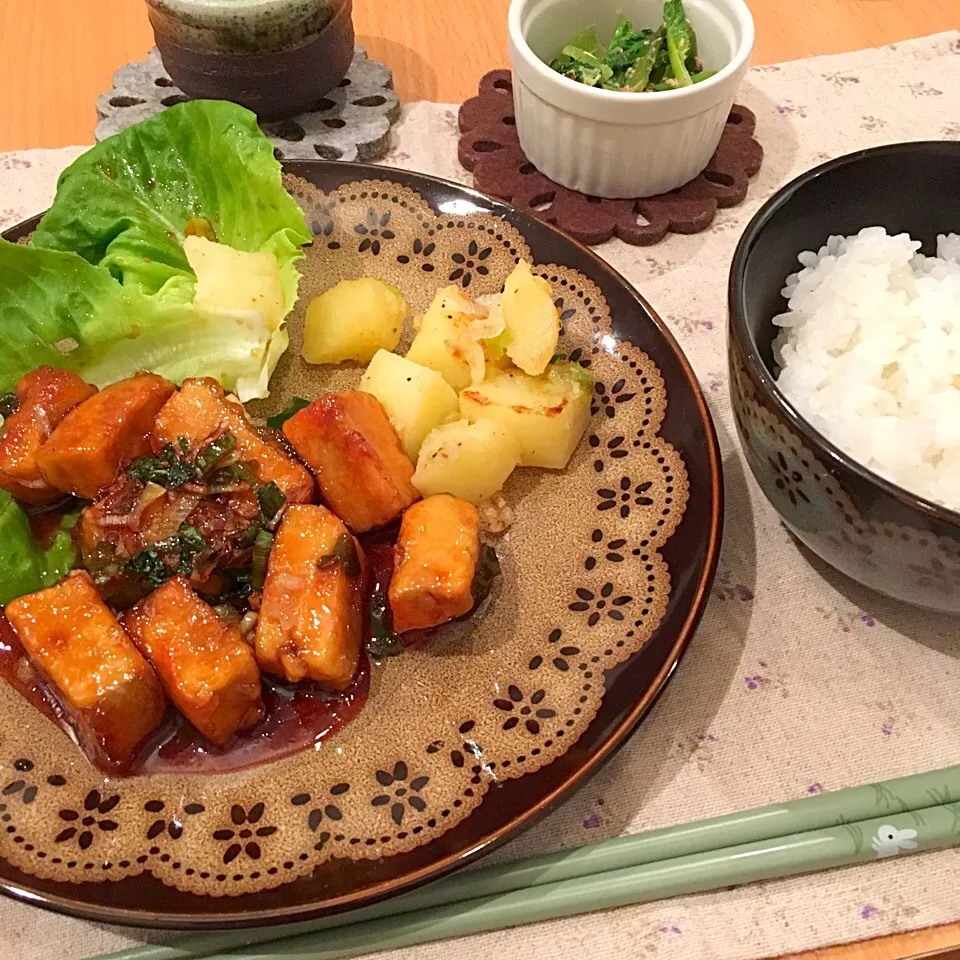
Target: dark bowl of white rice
[(844, 354)]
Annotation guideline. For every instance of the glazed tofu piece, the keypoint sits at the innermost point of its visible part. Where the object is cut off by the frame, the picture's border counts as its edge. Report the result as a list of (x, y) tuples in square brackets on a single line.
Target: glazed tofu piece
[(95, 439), (44, 397), (205, 668), (311, 613), (109, 691), (435, 559), (356, 456), (201, 412)]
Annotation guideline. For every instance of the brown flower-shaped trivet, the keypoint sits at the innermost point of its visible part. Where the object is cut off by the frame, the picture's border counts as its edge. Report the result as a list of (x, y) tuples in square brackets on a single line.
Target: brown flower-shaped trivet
[(489, 148)]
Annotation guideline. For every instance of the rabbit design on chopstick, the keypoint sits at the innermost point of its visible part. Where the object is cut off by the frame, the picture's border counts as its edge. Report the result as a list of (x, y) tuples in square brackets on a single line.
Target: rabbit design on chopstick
[(890, 841)]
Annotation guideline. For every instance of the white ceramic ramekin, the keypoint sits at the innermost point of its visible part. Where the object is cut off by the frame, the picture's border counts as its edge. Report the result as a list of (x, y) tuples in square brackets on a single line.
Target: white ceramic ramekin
[(610, 144)]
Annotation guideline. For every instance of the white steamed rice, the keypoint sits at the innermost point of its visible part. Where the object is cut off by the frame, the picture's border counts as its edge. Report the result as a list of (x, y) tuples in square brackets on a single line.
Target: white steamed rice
[(869, 354)]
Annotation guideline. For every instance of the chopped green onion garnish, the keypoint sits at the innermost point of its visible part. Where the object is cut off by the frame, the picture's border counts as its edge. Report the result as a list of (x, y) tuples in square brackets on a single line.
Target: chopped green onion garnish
[(271, 500), (261, 553), (166, 468), (346, 550), (250, 534), (190, 542), (148, 566), (235, 473), (213, 452), (279, 419)]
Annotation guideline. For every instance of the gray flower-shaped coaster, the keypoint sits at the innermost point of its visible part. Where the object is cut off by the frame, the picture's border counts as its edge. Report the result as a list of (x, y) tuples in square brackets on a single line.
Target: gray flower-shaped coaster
[(352, 122)]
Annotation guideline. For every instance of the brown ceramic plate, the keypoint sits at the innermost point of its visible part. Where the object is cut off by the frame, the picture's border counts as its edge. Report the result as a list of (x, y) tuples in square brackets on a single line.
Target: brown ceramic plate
[(463, 743)]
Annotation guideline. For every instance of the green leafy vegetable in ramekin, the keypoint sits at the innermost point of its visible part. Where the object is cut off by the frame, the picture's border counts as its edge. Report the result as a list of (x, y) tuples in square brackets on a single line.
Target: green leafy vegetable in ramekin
[(636, 61)]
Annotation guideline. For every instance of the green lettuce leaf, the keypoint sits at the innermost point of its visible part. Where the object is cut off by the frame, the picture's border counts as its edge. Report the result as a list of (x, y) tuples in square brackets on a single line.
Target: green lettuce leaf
[(201, 166), (121, 275), (24, 567), (57, 309)]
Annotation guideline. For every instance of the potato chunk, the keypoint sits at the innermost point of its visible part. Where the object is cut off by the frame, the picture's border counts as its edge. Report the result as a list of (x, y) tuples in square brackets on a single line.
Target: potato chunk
[(205, 668), (356, 455), (546, 414), (415, 398), (201, 412), (311, 614), (95, 439), (230, 279), (108, 690), (532, 320), (448, 342), (470, 460), (352, 321), (44, 397), (435, 558)]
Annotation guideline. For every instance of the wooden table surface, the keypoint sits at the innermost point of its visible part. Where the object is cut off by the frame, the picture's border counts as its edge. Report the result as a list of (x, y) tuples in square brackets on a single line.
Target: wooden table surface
[(56, 56)]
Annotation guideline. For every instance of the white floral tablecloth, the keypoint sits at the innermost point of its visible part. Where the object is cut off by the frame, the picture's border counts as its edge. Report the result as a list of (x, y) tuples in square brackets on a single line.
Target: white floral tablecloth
[(798, 680)]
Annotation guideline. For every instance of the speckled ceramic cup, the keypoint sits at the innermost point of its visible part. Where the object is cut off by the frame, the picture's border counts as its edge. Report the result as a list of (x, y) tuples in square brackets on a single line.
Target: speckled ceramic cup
[(277, 57)]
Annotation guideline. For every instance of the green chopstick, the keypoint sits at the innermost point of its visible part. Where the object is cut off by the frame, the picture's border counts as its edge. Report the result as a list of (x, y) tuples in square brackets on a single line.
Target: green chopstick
[(858, 842), (759, 825)]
